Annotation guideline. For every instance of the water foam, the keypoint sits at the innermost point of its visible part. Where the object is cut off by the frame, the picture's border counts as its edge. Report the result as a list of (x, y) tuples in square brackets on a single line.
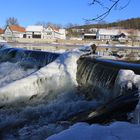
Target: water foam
[(49, 96), (32, 106)]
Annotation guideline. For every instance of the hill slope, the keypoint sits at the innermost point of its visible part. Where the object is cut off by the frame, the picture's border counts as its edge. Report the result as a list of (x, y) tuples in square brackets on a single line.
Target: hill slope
[(133, 23)]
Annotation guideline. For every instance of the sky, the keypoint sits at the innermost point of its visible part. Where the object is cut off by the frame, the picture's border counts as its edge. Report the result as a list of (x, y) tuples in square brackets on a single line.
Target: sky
[(29, 12)]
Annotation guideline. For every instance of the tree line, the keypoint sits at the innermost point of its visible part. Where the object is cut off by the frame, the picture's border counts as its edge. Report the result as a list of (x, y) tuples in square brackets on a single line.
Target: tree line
[(133, 23)]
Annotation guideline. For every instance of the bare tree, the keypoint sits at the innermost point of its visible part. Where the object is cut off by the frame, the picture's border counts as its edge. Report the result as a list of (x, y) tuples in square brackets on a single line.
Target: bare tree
[(108, 6), (42, 23), (45, 24), (12, 21)]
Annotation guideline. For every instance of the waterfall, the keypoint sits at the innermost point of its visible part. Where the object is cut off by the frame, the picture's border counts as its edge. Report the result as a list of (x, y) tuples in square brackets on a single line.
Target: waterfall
[(97, 77), (38, 91)]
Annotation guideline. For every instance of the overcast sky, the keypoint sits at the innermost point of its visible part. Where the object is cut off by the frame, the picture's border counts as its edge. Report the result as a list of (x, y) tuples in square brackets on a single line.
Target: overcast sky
[(29, 12)]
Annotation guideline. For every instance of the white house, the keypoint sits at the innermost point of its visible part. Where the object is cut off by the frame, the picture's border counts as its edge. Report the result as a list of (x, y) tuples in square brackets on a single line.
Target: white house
[(49, 32), (107, 34), (34, 31), (52, 32), (13, 32)]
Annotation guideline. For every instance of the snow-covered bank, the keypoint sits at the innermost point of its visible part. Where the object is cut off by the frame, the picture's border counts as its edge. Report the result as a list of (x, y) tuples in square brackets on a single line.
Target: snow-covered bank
[(114, 131)]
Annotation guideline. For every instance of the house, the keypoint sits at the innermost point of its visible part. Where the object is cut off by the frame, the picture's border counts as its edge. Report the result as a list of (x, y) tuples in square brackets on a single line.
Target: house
[(106, 34), (12, 32), (121, 36), (52, 32), (41, 32), (34, 31)]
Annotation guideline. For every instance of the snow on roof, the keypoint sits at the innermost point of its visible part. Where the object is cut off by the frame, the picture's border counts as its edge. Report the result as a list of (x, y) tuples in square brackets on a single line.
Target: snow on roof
[(109, 31), (34, 28)]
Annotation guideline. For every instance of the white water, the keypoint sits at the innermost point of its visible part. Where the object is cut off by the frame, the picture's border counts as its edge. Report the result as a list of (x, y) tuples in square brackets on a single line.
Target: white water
[(10, 72), (115, 130), (55, 78), (33, 103)]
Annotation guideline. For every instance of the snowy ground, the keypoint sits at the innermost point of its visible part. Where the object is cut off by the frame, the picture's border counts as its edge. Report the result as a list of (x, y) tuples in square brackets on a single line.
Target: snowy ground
[(114, 131)]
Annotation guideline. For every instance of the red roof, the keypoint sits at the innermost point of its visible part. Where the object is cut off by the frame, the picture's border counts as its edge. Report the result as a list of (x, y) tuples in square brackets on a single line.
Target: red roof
[(1, 31), (17, 28)]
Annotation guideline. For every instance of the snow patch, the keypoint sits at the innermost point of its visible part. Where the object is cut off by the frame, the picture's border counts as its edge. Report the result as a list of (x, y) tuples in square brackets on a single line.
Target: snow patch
[(115, 131)]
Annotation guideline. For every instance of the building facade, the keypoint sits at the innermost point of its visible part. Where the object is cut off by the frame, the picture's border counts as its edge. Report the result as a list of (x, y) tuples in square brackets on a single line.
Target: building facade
[(41, 32), (34, 31), (13, 32), (106, 34), (112, 34)]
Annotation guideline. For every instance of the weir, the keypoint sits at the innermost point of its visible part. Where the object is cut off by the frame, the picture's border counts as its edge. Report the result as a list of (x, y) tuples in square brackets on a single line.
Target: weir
[(46, 98), (98, 79)]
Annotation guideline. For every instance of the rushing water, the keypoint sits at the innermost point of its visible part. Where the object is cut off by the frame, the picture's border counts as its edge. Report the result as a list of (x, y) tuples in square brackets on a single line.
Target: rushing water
[(35, 97), (97, 78), (38, 91), (10, 72)]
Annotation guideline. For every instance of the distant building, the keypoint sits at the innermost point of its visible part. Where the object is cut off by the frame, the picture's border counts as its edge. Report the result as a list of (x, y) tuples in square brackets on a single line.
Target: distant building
[(90, 36), (122, 38), (106, 34), (34, 31), (14, 31), (52, 32), (112, 34), (41, 32), (90, 33)]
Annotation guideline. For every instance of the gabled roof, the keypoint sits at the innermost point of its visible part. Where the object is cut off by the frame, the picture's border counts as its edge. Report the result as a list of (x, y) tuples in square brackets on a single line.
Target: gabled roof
[(34, 28), (1, 31), (17, 28), (53, 28)]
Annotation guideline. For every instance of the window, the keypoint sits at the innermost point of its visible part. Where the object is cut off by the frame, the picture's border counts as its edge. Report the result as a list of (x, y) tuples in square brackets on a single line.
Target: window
[(49, 33)]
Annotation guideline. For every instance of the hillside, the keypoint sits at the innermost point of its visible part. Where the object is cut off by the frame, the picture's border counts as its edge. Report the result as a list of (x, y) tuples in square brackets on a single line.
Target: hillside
[(133, 23)]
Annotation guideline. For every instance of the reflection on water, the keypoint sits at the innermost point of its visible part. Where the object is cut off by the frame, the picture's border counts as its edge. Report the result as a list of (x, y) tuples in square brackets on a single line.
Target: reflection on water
[(45, 46)]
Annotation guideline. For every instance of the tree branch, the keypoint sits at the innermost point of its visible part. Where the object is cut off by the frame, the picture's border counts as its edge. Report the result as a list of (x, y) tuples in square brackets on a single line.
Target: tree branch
[(108, 9)]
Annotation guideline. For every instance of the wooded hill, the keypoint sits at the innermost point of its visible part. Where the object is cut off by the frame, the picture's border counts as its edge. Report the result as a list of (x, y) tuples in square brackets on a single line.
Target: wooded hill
[(133, 23)]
